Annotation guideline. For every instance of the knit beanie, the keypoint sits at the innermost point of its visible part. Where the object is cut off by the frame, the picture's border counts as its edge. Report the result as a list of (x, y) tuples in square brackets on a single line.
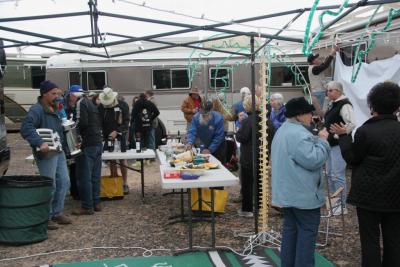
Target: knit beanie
[(46, 86)]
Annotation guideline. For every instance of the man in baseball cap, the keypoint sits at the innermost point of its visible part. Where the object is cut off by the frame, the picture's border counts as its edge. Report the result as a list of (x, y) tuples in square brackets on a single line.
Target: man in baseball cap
[(207, 131)]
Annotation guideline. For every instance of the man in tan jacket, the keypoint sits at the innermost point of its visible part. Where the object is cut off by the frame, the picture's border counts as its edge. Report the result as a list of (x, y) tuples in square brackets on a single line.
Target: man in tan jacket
[(191, 104)]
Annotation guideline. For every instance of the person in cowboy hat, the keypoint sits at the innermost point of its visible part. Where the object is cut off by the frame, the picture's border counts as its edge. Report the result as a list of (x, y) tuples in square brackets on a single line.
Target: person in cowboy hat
[(316, 75), (191, 105), (114, 113), (298, 186)]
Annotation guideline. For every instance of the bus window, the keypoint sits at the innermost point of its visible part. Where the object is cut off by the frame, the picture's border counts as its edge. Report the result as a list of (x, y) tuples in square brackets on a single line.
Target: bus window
[(96, 80), (91, 80), (38, 74), (348, 53), (171, 78), (180, 78), (74, 78), (219, 77)]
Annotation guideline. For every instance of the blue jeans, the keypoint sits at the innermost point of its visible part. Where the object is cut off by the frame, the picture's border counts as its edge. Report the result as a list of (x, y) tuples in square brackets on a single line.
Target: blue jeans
[(300, 229), (336, 172), (152, 139), (55, 167), (320, 95), (88, 168)]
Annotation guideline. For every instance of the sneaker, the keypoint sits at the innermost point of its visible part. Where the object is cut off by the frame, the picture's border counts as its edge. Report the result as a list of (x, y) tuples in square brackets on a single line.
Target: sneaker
[(126, 189), (247, 214), (61, 219), (136, 165), (97, 208), (82, 211), (338, 211), (52, 225)]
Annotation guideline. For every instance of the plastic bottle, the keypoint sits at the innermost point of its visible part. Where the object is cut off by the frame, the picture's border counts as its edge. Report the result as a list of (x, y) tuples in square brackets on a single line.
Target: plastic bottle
[(138, 150)]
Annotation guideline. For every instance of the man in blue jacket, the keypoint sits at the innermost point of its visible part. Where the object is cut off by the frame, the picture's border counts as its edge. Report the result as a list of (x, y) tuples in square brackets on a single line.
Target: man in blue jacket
[(297, 182), (207, 129), (52, 164)]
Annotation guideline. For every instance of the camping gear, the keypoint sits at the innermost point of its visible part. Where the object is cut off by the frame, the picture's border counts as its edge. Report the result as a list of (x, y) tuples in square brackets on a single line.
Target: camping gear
[(220, 198), (24, 208), (111, 187), (51, 138), (72, 139)]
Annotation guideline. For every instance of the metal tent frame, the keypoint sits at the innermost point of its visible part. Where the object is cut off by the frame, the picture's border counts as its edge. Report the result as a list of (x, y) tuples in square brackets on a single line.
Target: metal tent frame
[(97, 40)]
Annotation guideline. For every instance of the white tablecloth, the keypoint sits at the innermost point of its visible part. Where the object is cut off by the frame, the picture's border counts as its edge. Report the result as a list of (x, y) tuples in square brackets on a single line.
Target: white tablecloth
[(211, 178), (129, 154)]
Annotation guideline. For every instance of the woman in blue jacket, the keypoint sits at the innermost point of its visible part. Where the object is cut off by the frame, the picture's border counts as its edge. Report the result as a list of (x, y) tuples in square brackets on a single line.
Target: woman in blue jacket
[(297, 184)]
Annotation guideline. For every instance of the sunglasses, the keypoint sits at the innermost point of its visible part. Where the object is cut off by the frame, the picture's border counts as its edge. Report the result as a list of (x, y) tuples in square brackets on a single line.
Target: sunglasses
[(331, 90)]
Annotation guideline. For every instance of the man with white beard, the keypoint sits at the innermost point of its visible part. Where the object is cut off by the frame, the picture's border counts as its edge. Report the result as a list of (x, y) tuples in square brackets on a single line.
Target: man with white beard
[(207, 131)]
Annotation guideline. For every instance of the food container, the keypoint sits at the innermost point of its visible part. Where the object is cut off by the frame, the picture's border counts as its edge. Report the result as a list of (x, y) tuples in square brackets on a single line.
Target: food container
[(192, 171), (189, 176), (172, 174)]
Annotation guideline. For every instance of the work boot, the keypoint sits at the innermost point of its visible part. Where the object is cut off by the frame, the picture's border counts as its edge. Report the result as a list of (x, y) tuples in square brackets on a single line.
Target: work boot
[(62, 219), (52, 225), (82, 211), (97, 207)]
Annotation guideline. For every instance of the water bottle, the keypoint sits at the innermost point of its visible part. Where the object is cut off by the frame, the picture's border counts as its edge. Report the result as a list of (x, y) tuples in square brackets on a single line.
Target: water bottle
[(123, 142), (138, 145), (110, 144)]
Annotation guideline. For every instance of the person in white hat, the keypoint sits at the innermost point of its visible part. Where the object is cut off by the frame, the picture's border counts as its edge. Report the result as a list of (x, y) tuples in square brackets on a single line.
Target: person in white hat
[(238, 109), (115, 117)]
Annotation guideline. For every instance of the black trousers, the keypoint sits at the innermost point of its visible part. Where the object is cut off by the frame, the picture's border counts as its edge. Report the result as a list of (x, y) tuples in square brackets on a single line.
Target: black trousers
[(74, 182), (247, 188), (372, 224), (220, 153)]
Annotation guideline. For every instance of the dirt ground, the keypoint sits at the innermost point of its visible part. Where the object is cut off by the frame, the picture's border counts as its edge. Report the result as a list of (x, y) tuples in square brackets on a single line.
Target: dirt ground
[(131, 222)]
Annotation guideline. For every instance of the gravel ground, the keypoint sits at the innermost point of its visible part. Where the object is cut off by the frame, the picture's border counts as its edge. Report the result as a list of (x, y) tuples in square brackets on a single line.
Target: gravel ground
[(131, 222)]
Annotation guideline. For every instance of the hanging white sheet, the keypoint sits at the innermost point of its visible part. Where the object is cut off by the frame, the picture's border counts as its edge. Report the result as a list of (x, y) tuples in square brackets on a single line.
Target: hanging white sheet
[(369, 75)]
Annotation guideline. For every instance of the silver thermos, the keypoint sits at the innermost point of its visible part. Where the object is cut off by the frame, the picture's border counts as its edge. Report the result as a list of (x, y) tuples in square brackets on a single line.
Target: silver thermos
[(71, 136)]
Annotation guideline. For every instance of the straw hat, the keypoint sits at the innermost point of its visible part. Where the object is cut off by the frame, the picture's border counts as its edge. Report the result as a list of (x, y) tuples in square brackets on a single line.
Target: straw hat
[(108, 96), (194, 90)]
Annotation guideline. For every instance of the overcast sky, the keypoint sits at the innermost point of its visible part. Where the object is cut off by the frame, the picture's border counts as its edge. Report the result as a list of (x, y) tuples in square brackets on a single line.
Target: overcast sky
[(220, 10)]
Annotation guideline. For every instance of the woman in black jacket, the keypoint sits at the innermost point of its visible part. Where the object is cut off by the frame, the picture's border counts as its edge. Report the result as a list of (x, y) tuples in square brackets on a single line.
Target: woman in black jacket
[(375, 182), (244, 137)]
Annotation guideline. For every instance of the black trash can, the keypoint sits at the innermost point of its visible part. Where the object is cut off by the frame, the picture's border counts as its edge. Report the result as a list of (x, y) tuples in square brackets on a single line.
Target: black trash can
[(24, 208)]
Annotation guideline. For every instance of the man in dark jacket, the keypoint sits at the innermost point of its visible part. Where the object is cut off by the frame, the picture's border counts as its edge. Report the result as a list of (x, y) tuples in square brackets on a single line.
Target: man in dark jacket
[(51, 164), (375, 182), (144, 113), (316, 74), (114, 115), (88, 164)]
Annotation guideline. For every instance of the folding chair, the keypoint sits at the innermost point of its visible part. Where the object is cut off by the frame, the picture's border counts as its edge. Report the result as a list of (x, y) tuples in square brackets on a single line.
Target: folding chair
[(331, 204)]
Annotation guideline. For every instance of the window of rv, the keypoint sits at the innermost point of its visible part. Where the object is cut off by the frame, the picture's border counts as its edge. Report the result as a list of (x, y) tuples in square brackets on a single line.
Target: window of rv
[(26, 75), (289, 76), (347, 53), (176, 78), (219, 77), (89, 80)]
